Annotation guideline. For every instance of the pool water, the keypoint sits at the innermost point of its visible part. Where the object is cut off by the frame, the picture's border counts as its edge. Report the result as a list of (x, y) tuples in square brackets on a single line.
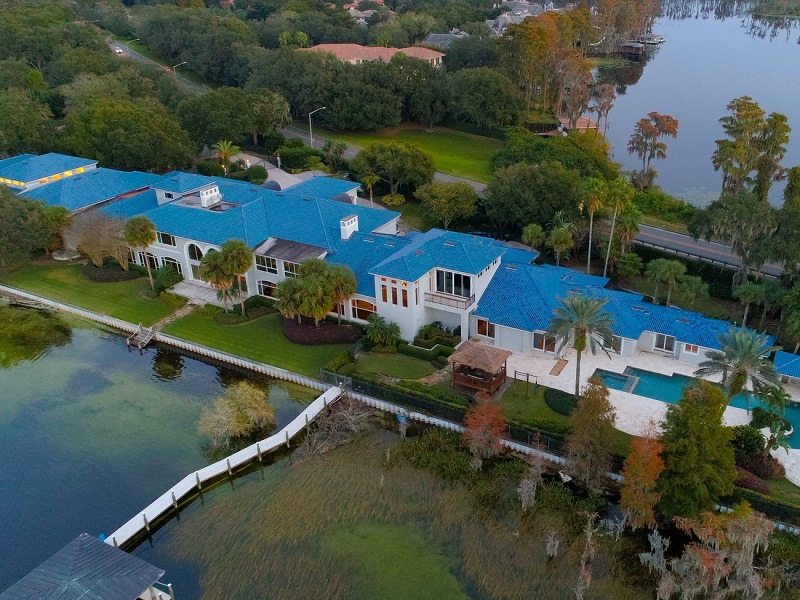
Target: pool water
[(669, 388)]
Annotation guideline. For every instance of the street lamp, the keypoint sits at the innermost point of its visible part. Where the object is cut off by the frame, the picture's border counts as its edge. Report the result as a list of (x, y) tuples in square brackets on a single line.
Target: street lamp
[(176, 66), (127, 44), (310, 134)]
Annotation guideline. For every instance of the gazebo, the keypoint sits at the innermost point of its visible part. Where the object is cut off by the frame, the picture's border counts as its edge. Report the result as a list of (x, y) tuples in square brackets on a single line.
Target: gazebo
[(479, 367)]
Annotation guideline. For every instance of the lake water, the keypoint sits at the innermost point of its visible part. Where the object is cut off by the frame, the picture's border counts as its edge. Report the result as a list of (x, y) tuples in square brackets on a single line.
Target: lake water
[(702, 66), (91, 433)]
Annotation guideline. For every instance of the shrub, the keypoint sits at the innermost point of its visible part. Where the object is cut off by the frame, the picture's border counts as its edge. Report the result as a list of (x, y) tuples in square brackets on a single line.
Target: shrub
[(208, 310), (338, 361), (440, 395), (654, 201), (443, 340), (747, 441), (256, 174), (561, 402), (767, 467), (308, 334), (439, 451), (273, 141), (172, 300), (239, 176), (110, 272), (422, 353), (211, 168), (749, 481), (766, 418), (165, 277), (297, 157), (719, 279), (394, 199), (347, 370), (255, 301), (543, 425), (243, 410)]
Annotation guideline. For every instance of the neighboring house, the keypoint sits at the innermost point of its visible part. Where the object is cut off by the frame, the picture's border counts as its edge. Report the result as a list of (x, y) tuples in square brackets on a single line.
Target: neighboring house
[(485, 288), (28, 171), (443, 40), (514, 13), (582, 124), (357, 54), (788, 367)]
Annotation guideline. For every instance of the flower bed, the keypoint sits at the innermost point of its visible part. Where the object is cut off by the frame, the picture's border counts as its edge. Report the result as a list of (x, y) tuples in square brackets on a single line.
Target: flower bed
[(307, 334)]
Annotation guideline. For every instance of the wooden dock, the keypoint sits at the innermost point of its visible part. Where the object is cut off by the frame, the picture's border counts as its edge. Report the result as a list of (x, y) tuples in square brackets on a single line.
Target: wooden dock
[(141, 337)]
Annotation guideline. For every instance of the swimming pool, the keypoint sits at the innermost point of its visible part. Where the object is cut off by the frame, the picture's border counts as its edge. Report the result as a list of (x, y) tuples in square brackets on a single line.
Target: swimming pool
[(669, 388)]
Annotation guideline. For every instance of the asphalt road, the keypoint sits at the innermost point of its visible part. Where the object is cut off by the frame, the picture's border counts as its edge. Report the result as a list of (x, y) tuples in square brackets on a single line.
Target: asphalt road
[(126, 52), (352, 151), (684, 245)]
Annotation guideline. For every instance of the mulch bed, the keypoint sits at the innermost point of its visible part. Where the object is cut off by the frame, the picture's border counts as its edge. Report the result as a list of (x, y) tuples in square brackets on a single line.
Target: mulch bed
[(328, 332)]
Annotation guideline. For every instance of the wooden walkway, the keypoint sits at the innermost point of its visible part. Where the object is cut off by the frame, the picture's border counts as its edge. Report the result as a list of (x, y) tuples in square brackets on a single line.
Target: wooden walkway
[(141, 337)]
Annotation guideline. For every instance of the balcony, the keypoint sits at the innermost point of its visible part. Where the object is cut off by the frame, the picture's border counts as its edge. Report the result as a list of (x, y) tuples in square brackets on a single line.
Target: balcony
[(450, 301)]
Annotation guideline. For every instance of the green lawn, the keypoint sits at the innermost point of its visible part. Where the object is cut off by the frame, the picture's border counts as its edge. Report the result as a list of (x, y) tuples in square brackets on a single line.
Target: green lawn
[(66, 283), (783, 490), (453, 152), (394, 365), (516, 405), (260, 340)]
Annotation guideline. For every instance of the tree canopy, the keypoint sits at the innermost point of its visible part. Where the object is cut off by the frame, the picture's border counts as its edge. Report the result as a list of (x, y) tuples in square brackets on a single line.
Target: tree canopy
[(395, 164), (27, 228)]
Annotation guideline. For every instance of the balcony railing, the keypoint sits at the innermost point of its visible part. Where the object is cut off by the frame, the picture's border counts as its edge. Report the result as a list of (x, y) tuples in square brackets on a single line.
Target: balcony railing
[(451, 301)]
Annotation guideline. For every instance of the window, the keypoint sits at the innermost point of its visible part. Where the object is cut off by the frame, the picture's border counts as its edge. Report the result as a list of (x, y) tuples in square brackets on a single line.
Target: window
[(394, 295), (152, 261), (664, 342), (404, 293), (168, 195), (485, 328), (691, 348), (290, 268), (362, 309), (195, 253), (131, 257), (615, 344), (175, 264), (266, 288), (544, 342), (453, 283), (416, 296), (165, 238), (265, 263), (242, 280), (384, 294)]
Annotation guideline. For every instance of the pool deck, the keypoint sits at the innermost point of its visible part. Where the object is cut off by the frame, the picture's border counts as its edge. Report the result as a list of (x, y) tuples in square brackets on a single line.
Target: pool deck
[(634, 413)]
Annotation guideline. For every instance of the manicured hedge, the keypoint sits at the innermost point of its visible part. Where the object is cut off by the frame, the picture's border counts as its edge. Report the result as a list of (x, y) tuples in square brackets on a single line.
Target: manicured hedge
[(437, 394), (777, 511), (422, 353), (747, 480), (308, 334), (338, 361), (110, 272), (450, 341), (561, 402), (767, 467), (544, 425), (255, 302), (347, 370)]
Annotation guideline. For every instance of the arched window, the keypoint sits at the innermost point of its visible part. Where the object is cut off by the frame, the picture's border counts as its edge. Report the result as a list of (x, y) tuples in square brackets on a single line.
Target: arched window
[(362, 309), (195, 253), (266, 288)]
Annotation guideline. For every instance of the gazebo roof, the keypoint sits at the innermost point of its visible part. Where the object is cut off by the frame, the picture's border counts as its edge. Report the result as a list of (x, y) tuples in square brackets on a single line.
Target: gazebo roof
[(86, 569), (480, 356)]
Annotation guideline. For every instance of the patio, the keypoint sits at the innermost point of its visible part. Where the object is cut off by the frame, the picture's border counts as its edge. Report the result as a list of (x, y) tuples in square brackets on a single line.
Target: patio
[(634, 412), (196, 293)]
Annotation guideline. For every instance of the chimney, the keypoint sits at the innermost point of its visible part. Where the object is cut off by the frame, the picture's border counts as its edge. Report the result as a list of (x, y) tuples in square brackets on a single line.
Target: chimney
[(209, 196), (348, 225)]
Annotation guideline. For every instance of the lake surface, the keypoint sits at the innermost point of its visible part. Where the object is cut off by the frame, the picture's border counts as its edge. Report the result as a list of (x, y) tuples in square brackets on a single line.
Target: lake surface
[(90, 434), (702, 66)]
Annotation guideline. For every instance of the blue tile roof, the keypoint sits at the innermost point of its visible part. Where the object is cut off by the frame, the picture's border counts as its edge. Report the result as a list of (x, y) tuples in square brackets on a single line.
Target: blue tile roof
[(437, 248), (361, 252), (180, 183), (29, 167), (91, 187), (523, 297), (268, 214), (787, 364), (322, 187)]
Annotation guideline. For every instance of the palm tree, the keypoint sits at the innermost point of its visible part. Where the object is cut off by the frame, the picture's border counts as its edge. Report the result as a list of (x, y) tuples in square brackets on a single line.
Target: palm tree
[(595, 199), (560, 240), (140, 232), (673, 272), (288, 293), (376, 329), (747, 294), (342, 283), (213, 271), (619, 194), (533, 235), (369, 181), (627, 227), (774, 294), (582, 319), (237, 258), (315, 297), (776, 399), (741, 360), (654, 271), (692, 287), (225, 151)]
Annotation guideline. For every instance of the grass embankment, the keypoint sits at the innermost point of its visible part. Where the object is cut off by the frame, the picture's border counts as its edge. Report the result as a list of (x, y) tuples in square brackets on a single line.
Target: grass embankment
[(521, 405), (126, 300), (453, 152), (260, 340), (394, 365), (416, 217)]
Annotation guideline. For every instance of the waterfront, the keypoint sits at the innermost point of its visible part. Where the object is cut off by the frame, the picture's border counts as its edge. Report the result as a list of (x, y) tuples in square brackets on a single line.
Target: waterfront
[(704, 64), (90, 433)]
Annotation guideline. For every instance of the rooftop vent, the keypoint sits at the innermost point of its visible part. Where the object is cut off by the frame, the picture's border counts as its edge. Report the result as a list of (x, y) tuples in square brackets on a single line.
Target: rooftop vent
[(448, 243), (639, 308), (679, 320), (417, 252), (511, 267)]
